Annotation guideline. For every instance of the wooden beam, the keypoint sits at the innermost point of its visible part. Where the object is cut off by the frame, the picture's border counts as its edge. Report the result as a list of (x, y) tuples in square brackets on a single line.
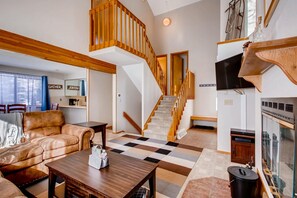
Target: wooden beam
[(21, 44)]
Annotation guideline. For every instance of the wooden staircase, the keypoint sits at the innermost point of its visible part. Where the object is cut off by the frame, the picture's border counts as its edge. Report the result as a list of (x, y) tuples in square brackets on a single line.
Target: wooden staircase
[(112, 24)]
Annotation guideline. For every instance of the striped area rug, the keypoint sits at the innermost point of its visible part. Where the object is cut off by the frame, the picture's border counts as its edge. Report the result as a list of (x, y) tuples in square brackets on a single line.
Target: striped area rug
[(175, 161)]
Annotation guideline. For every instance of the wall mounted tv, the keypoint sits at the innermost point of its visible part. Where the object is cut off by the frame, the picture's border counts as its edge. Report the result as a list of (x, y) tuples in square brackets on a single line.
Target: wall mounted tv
[(227, 74)]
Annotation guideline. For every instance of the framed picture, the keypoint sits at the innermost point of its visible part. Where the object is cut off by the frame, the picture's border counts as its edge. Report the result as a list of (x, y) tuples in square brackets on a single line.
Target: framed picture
[(269, 8), (55, 86)]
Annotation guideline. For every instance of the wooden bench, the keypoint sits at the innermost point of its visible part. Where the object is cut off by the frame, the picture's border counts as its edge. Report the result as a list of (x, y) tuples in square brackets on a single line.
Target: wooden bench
[(203, 118)]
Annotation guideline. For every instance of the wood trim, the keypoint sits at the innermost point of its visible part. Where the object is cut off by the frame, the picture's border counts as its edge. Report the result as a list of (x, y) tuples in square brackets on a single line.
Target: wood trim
[(270, 11), (232, 40), (171, 68), (166, 73), (262, 187), (224, 152), (21, 44), (152, 113), (132, 122), (204, 118)]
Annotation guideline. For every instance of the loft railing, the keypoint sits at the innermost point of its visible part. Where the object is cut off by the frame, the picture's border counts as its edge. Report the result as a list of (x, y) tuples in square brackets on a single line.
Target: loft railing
[(187, 91), (112, 24)]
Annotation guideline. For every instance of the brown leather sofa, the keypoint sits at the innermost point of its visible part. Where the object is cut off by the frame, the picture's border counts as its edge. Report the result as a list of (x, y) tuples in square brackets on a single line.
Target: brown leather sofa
[(49, 139), (8, 189)]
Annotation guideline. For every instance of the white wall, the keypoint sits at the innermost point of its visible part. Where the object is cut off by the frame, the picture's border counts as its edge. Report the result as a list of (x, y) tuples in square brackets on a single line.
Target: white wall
[(151, 93), (61, 23), (185, 121), (128, 100), (134, 72), (274, 82), (142, 11), (100, 97), (194, 28), (234, 110)]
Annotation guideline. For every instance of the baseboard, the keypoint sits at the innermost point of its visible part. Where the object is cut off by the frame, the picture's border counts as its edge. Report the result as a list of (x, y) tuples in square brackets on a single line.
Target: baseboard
[(116, 132), (224, 152)]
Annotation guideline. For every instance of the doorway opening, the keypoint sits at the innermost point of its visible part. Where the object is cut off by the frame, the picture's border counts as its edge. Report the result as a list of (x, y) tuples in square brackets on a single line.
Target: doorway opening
[(162, 59), (178, 70)]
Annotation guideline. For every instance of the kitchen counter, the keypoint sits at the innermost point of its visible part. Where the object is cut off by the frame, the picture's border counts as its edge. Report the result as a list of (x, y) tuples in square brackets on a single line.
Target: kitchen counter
[(73, 106)]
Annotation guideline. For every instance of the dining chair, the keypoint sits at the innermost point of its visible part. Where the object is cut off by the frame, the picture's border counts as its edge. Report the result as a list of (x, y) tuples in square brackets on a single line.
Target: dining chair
[(2, 108), (16, 108), (55, 106)]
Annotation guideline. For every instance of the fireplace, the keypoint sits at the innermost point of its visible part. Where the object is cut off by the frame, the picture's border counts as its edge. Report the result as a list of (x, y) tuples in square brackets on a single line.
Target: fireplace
[(279, 145)]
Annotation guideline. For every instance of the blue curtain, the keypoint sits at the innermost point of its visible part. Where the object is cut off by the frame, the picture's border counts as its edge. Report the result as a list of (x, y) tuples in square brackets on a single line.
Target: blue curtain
[(45, 99), (83, 89)]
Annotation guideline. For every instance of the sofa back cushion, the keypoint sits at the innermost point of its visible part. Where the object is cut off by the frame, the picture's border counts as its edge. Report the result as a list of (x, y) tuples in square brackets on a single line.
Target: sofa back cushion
[(44, 123)]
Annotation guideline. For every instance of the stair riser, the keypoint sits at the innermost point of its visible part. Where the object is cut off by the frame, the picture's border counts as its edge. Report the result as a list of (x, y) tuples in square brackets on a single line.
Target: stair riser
[(166, 111), (162, 114), (160, 123), (164, 102), (160, 119), (159, 129)]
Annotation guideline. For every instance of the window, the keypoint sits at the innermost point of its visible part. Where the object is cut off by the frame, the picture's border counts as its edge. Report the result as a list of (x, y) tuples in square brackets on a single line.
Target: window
[(21, 89)]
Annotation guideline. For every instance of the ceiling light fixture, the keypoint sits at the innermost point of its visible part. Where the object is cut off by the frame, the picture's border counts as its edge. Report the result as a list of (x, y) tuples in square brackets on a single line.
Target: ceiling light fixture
[(166, 21)]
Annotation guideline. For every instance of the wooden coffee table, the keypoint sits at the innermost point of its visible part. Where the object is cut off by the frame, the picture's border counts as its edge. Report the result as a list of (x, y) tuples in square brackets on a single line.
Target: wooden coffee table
[(122, 178)]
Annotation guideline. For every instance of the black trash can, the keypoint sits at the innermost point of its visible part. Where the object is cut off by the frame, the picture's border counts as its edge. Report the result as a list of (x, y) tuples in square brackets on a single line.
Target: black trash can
[(243, 182)]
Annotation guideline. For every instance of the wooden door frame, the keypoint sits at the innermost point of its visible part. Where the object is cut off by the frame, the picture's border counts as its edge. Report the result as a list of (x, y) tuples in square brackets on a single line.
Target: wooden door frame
[(171, 67), (165, 74)]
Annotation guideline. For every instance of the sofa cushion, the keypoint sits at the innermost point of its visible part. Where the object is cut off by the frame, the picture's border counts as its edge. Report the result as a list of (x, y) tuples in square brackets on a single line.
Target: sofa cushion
[(20, 152), (44, 131), (55, 141), (36, 120), (60, 151), (8, 189)]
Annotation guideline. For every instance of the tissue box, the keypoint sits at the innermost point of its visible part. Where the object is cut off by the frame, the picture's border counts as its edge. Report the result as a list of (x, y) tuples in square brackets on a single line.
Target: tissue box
[(95, 161)]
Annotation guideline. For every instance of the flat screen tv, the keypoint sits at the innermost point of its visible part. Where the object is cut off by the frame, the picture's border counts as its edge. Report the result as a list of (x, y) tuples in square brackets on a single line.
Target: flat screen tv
[(227, 74)]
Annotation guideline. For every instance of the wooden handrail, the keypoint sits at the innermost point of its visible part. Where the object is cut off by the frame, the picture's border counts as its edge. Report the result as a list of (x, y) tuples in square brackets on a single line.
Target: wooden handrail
[(186, 92), (132, 122), (152, 113), (112, 24)]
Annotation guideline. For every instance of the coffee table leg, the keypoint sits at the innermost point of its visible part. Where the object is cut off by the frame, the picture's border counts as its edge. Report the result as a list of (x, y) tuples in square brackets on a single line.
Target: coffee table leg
[(104, 137), (152, 183), (51, 184)]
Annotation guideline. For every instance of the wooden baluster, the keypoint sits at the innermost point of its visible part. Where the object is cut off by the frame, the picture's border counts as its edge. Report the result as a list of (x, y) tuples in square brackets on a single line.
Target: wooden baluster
[(92, 33), (116, 22), (133, 41), (103, 26), (121, 23), (129, 31), (108, 24), (125, 27), (137, 37)]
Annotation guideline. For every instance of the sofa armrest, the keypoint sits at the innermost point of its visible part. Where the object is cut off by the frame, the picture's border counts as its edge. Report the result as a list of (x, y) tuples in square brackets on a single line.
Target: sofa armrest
[(84, 134)]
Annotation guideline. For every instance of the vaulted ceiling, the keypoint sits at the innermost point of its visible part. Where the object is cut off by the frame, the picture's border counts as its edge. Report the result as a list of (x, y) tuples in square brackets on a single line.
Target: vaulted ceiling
[(162, 6)]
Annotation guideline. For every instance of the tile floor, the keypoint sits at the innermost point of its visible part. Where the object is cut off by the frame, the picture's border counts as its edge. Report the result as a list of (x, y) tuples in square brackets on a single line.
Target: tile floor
[(210, 163)]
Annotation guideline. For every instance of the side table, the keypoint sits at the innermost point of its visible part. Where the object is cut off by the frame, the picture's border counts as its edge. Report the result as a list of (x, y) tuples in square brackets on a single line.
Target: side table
[(98, 127)]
